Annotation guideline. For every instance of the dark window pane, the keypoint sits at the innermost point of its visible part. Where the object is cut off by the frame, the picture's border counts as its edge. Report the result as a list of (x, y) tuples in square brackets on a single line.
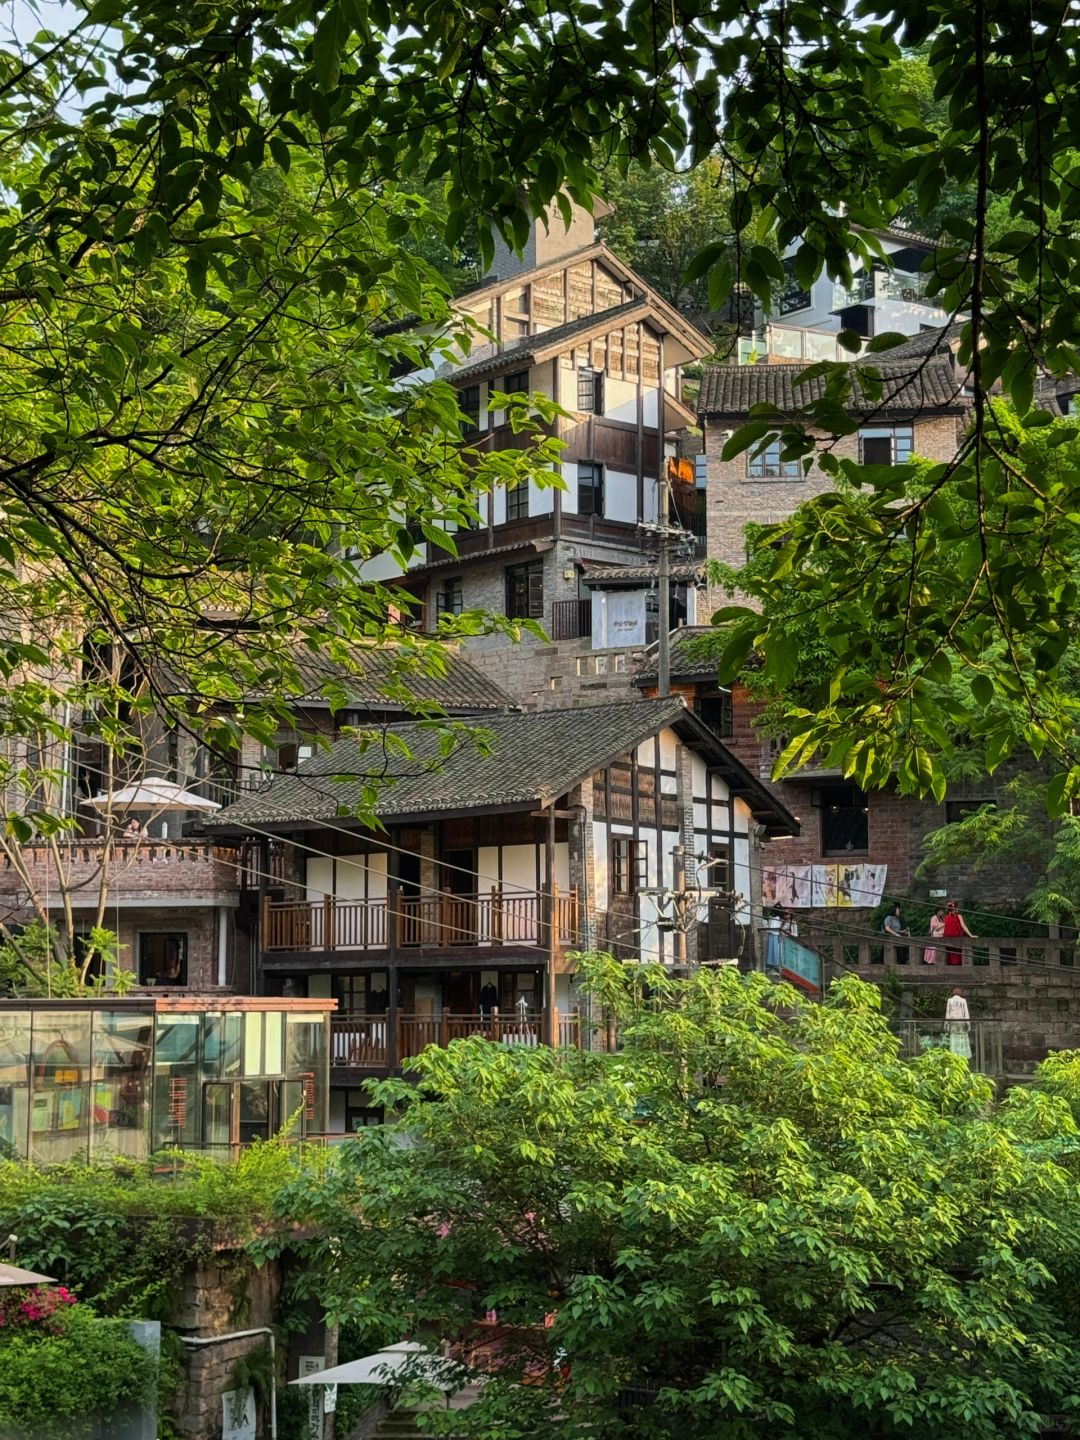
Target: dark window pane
[(163, 958), (590, 489), (845, 826), (525, 591), (517, 502), (469, 403)]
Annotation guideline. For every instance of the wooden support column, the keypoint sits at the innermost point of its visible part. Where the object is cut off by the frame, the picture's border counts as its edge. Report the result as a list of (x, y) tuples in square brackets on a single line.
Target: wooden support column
[(556, 379), (550, 1032), (392, 1047), (264, 913)]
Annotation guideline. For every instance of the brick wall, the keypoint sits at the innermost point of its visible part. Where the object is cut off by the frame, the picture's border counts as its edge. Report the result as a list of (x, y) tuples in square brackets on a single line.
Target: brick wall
[(898, 826), (734, 501), (138, 870)]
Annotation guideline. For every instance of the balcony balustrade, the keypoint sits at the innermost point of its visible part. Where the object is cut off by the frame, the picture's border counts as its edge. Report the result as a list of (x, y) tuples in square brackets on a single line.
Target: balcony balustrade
[(363, 1042), (988, 957), (485, 920)]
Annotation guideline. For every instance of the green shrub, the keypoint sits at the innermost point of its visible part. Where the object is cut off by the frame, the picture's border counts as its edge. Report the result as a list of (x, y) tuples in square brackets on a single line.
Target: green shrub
[(52, 1385)]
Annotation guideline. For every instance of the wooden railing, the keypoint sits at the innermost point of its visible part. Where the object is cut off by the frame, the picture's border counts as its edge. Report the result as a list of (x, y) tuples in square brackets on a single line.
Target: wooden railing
[(984, 957), (571, 619), (485, 920), (363, 1042)]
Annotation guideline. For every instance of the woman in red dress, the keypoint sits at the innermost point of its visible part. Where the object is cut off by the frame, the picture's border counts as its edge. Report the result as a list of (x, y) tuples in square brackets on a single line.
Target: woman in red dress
[(954, 928)]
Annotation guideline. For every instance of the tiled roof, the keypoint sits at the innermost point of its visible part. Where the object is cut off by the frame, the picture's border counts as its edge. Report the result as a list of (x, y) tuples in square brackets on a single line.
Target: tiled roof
[(523, 759), (691, 657), (593, 573), (441, 677), (935, 339), (731, 390), (434, 676), (489, 359)]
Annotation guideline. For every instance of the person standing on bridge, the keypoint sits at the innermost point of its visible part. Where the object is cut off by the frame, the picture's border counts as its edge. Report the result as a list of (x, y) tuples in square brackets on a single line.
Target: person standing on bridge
[(958, 1024), (937, 930), (955, 926)]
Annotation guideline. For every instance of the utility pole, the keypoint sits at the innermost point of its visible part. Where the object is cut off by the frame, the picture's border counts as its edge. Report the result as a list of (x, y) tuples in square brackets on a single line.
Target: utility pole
[(663, 515), (664, 531), (678, 856)]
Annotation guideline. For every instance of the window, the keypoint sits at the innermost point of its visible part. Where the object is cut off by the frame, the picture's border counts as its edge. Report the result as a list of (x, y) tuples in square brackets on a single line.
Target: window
[(629, 865), (719, 871), (469, 404), (886, 445), (845, 821), (525, 591), (590, 391), (517, 384), (960, 809), (715, 711), (517, 502), (792, 297), (767, 465), (450, 600), (163, 957), (701, 470), (590, 489), (293, 751)]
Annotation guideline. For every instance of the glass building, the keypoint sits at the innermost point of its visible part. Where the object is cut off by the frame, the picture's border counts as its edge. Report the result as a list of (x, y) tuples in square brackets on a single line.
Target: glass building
[(104, 1078)]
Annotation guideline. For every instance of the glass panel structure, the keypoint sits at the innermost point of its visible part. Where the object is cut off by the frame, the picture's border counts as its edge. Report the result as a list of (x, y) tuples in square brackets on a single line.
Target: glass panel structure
[(118, 1080)]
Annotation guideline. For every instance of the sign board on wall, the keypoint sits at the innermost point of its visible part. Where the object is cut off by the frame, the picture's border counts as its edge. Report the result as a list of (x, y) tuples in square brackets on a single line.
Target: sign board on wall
[(238, 1415), (311, 1365)]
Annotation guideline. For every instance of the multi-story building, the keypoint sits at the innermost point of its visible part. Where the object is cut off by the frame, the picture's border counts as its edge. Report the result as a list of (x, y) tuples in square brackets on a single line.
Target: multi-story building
[(180, 906), (888, 295), (490, 865), (922, 413), (569, 320)]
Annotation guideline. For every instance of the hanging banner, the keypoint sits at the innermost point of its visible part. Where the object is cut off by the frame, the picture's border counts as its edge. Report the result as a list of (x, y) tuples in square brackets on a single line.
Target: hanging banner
[(823, 887)]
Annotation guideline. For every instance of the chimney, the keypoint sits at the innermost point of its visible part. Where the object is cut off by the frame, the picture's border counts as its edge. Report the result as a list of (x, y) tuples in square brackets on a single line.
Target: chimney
[(549, 239)]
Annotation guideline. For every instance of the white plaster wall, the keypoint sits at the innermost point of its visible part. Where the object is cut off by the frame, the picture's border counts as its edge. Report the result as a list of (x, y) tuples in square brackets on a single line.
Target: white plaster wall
[(620, 496), (620, 399), (351, 876), (600, 864), (319, 878)]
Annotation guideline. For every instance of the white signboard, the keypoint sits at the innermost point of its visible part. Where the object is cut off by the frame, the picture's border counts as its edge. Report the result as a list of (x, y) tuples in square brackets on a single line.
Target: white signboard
[(311, 1365), (238, 1415), (329, 1399)]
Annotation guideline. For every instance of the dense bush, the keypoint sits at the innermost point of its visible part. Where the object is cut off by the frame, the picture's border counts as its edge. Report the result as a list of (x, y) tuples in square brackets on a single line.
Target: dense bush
[(55, 1378)]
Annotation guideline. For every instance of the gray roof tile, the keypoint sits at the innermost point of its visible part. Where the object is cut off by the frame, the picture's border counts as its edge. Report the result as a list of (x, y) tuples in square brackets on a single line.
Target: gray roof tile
[(731, 390), (522, 759), (690, 654)]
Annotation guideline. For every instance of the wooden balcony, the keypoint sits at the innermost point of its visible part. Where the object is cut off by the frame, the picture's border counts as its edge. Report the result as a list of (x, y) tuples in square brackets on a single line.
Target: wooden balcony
[(491, 920), (375, 1042)]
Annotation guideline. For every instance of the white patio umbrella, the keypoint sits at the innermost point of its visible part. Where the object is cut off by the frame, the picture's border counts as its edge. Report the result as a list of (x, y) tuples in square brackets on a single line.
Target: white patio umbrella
[(382, 1368), (13, 1275), (153, 794)]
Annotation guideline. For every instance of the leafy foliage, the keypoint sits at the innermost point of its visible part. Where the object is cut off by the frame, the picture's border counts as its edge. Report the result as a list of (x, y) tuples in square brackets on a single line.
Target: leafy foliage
[(119, 1235), (755, 1214), (55, 1383), (37, 961)]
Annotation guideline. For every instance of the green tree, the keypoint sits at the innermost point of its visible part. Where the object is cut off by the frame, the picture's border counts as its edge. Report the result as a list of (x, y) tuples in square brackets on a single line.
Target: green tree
[(754, 1215), (194, 180), (663, 219)]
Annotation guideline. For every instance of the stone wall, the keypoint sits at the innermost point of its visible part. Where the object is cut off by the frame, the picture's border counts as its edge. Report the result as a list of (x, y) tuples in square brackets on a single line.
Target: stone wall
[(542, 676), (221, 1296), (1036, 1007)]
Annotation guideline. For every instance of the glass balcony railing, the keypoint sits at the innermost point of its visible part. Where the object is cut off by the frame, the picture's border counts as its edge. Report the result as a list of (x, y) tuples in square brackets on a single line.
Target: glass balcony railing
[(881, 285)]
